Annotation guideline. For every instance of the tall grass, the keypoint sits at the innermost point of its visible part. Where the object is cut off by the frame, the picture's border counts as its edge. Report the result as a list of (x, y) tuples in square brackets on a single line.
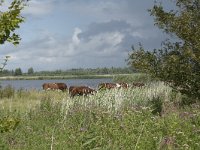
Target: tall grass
[(110, 100), (111, 119)]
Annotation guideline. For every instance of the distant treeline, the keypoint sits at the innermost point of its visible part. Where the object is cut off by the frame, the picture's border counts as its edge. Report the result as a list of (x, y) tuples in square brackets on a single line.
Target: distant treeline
[(79, 71)]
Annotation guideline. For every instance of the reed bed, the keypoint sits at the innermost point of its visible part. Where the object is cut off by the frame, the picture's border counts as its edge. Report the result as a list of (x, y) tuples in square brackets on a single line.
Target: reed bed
[(111, 100)]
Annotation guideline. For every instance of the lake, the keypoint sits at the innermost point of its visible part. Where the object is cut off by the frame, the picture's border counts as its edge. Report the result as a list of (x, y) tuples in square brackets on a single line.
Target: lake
[(37, 84)]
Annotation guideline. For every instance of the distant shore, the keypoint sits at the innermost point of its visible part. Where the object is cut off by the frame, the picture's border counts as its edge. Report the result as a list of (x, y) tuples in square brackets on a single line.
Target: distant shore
[(56, 77)]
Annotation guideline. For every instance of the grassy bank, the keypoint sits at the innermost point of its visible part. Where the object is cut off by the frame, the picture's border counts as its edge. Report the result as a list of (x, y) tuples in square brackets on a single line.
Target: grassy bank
[(55, 77), (139, 118), (115, 77)]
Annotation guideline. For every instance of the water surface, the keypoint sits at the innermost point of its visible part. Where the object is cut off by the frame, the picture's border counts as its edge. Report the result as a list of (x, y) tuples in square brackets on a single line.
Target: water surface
[(37, 84)]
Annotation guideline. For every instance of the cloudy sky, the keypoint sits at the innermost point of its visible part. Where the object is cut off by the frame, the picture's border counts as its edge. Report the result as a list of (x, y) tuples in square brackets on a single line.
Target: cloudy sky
[(65, 34)]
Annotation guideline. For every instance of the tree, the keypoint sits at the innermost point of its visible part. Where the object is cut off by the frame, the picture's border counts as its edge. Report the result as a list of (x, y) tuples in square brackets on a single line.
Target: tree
[(177, 63), (10, 21), (30, 71), (4, 63), (18, 72)]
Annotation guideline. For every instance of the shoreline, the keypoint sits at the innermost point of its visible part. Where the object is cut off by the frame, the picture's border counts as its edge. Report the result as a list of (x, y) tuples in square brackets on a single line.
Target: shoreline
[(56, 77)]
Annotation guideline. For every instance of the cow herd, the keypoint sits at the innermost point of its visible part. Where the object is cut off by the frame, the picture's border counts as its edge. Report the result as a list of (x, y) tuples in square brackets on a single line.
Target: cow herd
[(85, 90)]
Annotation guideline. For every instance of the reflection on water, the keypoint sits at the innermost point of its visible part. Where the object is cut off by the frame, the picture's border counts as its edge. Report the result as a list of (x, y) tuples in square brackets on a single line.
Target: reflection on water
[(37, 84)]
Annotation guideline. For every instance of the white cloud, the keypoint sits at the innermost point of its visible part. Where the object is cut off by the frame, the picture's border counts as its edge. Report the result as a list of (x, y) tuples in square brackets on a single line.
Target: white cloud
[(75, 38), (103, 44), (38, 7), (50, 52), (137, 34)]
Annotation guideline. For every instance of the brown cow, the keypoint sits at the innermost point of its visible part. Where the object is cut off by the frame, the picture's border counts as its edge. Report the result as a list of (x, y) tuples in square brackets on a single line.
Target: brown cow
[(138, 84), (108, 86), (62, 86), (72, 87), (54, 86), (81, 90), (123, 85)]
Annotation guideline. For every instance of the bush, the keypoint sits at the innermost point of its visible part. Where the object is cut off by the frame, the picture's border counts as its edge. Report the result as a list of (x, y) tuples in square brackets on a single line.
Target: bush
[(156, 104), (7, 92), (8, 124)]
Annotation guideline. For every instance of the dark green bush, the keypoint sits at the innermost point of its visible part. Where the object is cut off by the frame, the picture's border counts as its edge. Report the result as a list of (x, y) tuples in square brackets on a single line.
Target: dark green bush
[(156, 104), (8, 124)]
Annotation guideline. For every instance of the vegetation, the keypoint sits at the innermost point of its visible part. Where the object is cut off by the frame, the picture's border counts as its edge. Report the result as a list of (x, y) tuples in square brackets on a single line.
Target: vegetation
[(10, 21), (150, 117), (113, 119), (18, 72), (135, 77), (30, 71), (176, 63), (76, 72)]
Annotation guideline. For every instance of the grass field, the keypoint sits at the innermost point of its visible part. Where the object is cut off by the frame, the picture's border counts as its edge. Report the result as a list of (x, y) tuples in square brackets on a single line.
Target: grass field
[(134, 118)]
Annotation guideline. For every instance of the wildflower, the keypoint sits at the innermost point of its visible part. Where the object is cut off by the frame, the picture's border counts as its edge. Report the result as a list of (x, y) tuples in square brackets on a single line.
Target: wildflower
[(186, 146), (122, 126), (197, 144), (144, 108), (155, 138), (83, 129), (180, 132)]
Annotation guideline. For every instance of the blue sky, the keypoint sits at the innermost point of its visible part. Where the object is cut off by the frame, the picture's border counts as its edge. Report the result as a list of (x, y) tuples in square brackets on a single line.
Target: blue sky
[(65, 34)]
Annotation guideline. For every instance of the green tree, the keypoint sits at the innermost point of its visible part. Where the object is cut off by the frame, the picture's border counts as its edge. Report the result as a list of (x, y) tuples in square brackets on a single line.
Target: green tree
[(177, 63), (18, 72), (30, 71), (10, 21)]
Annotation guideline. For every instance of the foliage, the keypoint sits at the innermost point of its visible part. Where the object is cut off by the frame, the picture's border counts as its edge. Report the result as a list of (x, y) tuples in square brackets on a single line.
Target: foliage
[(18, 72), (87, 71), (7, 92), (157, 105), (130, 78), (30, 71), (83, 123), (10, 21), (176, 63), (76, 72), (8, 124)]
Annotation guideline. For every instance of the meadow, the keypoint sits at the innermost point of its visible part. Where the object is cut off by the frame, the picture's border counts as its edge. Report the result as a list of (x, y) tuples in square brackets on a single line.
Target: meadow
[(147, 118)]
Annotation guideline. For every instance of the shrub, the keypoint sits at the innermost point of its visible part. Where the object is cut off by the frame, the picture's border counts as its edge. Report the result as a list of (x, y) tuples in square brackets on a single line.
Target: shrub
[(7, 92), (8, 124), (156, 104)]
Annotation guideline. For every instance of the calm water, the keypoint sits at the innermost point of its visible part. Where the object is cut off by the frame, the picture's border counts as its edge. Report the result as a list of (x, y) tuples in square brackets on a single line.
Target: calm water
[(37, 84)]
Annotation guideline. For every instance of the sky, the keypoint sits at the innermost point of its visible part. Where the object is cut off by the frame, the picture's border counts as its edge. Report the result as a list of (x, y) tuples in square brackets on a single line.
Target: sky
[(66, 34)]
